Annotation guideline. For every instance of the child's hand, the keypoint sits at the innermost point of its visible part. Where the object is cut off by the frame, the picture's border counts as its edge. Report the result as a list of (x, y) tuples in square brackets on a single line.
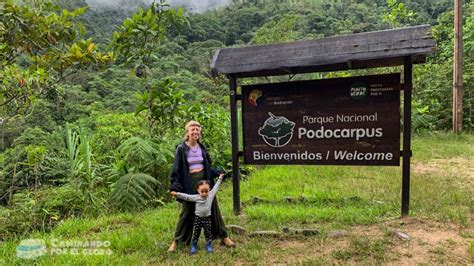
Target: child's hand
[(173, 194)]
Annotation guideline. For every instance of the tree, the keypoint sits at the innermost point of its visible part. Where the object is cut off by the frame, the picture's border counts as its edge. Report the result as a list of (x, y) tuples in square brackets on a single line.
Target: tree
[(276, 128), (278, 30), (139, 37), (398, 14), (39, 47)]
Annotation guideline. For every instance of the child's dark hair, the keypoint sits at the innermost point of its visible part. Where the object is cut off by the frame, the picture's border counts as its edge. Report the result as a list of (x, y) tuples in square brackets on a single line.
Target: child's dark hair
[(202, 182)]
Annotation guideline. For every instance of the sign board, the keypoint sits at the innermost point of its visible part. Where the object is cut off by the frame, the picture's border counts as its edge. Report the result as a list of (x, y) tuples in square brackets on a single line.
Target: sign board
[(343, 121)]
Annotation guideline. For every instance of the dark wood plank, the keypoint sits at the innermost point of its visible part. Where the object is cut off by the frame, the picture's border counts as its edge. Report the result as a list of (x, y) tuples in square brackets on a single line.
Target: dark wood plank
[(334, 67), (291, 58), (321, 61), (358, 39), (322, 52), (235, 143), (408, 81), (327, 54)]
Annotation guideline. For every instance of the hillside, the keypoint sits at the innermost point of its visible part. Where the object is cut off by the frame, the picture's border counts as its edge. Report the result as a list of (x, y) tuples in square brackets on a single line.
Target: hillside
[(355, 209)]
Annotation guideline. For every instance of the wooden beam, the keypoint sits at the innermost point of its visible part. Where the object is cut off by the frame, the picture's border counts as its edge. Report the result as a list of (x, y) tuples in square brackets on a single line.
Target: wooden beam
[(286, 61), (457, 68), (235, 143), (353, 51), (407, 78)]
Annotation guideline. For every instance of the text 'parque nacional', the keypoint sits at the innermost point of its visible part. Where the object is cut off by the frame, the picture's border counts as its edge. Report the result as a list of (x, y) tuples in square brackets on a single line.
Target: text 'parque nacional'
[(353, 121)]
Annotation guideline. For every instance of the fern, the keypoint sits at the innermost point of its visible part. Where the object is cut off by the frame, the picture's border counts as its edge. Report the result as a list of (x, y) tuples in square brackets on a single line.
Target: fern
[(139, 154), (133, 191)]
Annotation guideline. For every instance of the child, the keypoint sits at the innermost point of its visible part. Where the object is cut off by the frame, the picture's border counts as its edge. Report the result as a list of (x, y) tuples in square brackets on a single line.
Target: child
[(203, 210)]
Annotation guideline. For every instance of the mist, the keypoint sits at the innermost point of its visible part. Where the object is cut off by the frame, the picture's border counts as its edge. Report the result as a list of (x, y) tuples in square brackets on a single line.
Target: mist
[(194, 6)]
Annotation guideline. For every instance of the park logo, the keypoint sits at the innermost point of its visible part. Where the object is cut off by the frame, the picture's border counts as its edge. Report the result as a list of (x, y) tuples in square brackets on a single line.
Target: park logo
[(31, 249), (359, 90), (277, 131), (255, 98)]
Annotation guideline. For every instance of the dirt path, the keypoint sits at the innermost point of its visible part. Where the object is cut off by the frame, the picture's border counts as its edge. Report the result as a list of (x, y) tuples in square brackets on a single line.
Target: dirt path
[(456, 166), (429, 243)]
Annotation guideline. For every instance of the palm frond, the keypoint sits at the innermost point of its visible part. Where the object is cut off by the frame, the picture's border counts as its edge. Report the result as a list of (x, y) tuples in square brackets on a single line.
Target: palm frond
[(133, 191)]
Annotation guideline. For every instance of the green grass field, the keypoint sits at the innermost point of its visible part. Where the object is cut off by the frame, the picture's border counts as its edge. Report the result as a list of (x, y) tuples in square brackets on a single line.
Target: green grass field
[(364, 201)]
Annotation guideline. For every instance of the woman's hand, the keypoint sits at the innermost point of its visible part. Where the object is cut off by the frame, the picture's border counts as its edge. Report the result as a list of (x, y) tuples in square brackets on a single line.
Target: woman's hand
[(173, 194), (221, 176)]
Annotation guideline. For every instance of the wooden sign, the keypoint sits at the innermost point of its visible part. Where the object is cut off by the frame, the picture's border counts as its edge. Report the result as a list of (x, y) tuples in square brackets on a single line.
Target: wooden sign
[(344, 121)]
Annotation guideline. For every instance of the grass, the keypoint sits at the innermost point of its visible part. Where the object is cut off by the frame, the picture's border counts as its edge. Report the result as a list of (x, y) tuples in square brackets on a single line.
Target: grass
[(363, 248), (470, 250), (325, 197)]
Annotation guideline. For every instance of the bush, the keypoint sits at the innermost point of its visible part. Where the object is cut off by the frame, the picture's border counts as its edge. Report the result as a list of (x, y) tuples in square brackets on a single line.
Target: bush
[(39, 210)]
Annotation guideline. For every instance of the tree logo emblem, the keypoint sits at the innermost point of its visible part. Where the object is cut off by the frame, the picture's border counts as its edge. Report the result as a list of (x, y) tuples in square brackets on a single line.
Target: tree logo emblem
[(277, 131)]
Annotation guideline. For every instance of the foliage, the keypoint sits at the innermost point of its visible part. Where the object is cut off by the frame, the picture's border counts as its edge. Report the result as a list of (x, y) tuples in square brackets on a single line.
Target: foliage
[(139, 36), (109, 131), (140, 155), (137, 40), (278, 30), (433, 80), (398, 14), (82, 172), (25, 166), (40, 210), (133, 191), (165, 106), (40, 46), (215, 122)]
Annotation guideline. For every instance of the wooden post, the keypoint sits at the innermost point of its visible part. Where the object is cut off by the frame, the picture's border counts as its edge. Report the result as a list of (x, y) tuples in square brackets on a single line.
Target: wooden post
[(2, 124), (457, 68), (407, 77), (235, 143)]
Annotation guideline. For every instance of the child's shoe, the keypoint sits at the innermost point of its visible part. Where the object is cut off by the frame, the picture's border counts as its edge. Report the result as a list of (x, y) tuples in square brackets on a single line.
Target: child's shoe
[(209, 247), (194, 247)]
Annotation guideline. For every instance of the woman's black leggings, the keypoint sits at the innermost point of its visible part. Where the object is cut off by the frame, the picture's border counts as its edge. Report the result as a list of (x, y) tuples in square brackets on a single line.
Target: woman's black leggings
[(202, 222)]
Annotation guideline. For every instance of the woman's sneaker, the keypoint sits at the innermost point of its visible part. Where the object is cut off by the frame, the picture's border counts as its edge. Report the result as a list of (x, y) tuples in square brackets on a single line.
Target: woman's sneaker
[(209, 247), (194, 247)]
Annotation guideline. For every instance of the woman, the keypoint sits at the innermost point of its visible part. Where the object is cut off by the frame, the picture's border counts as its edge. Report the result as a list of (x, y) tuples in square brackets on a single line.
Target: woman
[(192, 164)]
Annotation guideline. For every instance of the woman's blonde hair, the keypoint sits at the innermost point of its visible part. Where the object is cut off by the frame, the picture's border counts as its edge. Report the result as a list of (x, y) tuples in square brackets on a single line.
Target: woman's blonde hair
[(191, 123)]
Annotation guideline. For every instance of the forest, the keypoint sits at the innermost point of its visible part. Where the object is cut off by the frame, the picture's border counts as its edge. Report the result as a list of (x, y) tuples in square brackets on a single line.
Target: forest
[(93, 102)]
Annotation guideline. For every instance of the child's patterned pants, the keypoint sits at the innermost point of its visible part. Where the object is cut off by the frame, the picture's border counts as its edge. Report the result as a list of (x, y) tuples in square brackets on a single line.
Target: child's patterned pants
[(202, 222)]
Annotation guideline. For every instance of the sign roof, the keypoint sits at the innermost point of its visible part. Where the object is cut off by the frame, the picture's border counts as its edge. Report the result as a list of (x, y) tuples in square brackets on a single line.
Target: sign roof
[(352, 51)]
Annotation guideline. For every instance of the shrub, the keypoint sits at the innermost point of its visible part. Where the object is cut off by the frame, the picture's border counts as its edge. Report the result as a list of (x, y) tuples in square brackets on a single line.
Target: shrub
[(39, 210)]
